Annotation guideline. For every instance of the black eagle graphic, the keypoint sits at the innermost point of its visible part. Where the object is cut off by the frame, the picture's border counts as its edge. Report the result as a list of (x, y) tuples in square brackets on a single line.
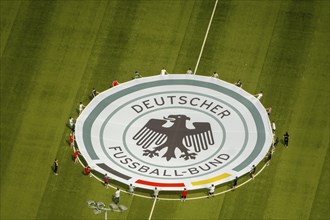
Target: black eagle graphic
[(175, 136)]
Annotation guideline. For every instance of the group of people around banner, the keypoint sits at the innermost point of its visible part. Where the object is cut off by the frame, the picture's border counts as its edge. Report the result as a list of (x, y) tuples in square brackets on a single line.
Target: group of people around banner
[(155, 194)]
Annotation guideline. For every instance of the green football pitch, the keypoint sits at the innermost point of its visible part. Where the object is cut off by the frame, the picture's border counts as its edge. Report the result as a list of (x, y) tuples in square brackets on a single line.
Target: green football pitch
[(54, 52)]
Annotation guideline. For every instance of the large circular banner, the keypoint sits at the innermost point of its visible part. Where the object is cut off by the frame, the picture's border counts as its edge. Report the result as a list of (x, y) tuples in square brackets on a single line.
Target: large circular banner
[(174, 131)]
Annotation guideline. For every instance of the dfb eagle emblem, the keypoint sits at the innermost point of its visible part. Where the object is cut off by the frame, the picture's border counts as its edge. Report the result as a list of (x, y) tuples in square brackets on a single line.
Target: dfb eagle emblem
[(175, 136)]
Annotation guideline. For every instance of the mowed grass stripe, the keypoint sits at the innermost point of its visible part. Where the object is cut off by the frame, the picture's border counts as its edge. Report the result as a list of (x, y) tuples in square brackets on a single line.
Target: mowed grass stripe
[(249, 210), (150, 44), (191, 209), (194, 34), (23, 147), (238, 41), (65, 187), (99, 72), (287, 61), (320, 208), (301, 166), (231, 37), (74, 182), (46, 109), (297, 95), (109, 49), (17, 74), (8, 11)]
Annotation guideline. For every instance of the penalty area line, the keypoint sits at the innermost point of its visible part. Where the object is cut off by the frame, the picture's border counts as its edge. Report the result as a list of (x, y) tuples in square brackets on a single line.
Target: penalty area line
[(207, 33)]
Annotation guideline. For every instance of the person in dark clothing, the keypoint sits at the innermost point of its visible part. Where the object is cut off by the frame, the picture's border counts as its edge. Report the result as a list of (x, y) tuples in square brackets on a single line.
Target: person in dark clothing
[(94, 92), (136, 75), (269, 158), (286, 139), (235, 183), (55, 166), (253, 171), (211, 191), (275, 142), (239, 83), (269, 110), (72, 125), (117, 196)]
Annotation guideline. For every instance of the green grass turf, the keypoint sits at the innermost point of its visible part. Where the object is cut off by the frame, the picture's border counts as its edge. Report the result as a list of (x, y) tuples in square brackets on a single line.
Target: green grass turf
[(54, 52)]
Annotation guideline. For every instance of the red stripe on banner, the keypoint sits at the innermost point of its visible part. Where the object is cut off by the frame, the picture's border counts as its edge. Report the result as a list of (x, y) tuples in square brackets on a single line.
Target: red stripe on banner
[(160, 184)]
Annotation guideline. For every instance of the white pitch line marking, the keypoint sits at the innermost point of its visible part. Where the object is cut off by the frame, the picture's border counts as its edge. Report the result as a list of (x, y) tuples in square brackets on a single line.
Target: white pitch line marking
[(207, 32), (152, 209)]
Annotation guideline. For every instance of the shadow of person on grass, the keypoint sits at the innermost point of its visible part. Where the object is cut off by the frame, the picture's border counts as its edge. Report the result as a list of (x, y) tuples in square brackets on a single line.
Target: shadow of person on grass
[(52, 168), (115, 200), (68, 142), (68, 126)]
